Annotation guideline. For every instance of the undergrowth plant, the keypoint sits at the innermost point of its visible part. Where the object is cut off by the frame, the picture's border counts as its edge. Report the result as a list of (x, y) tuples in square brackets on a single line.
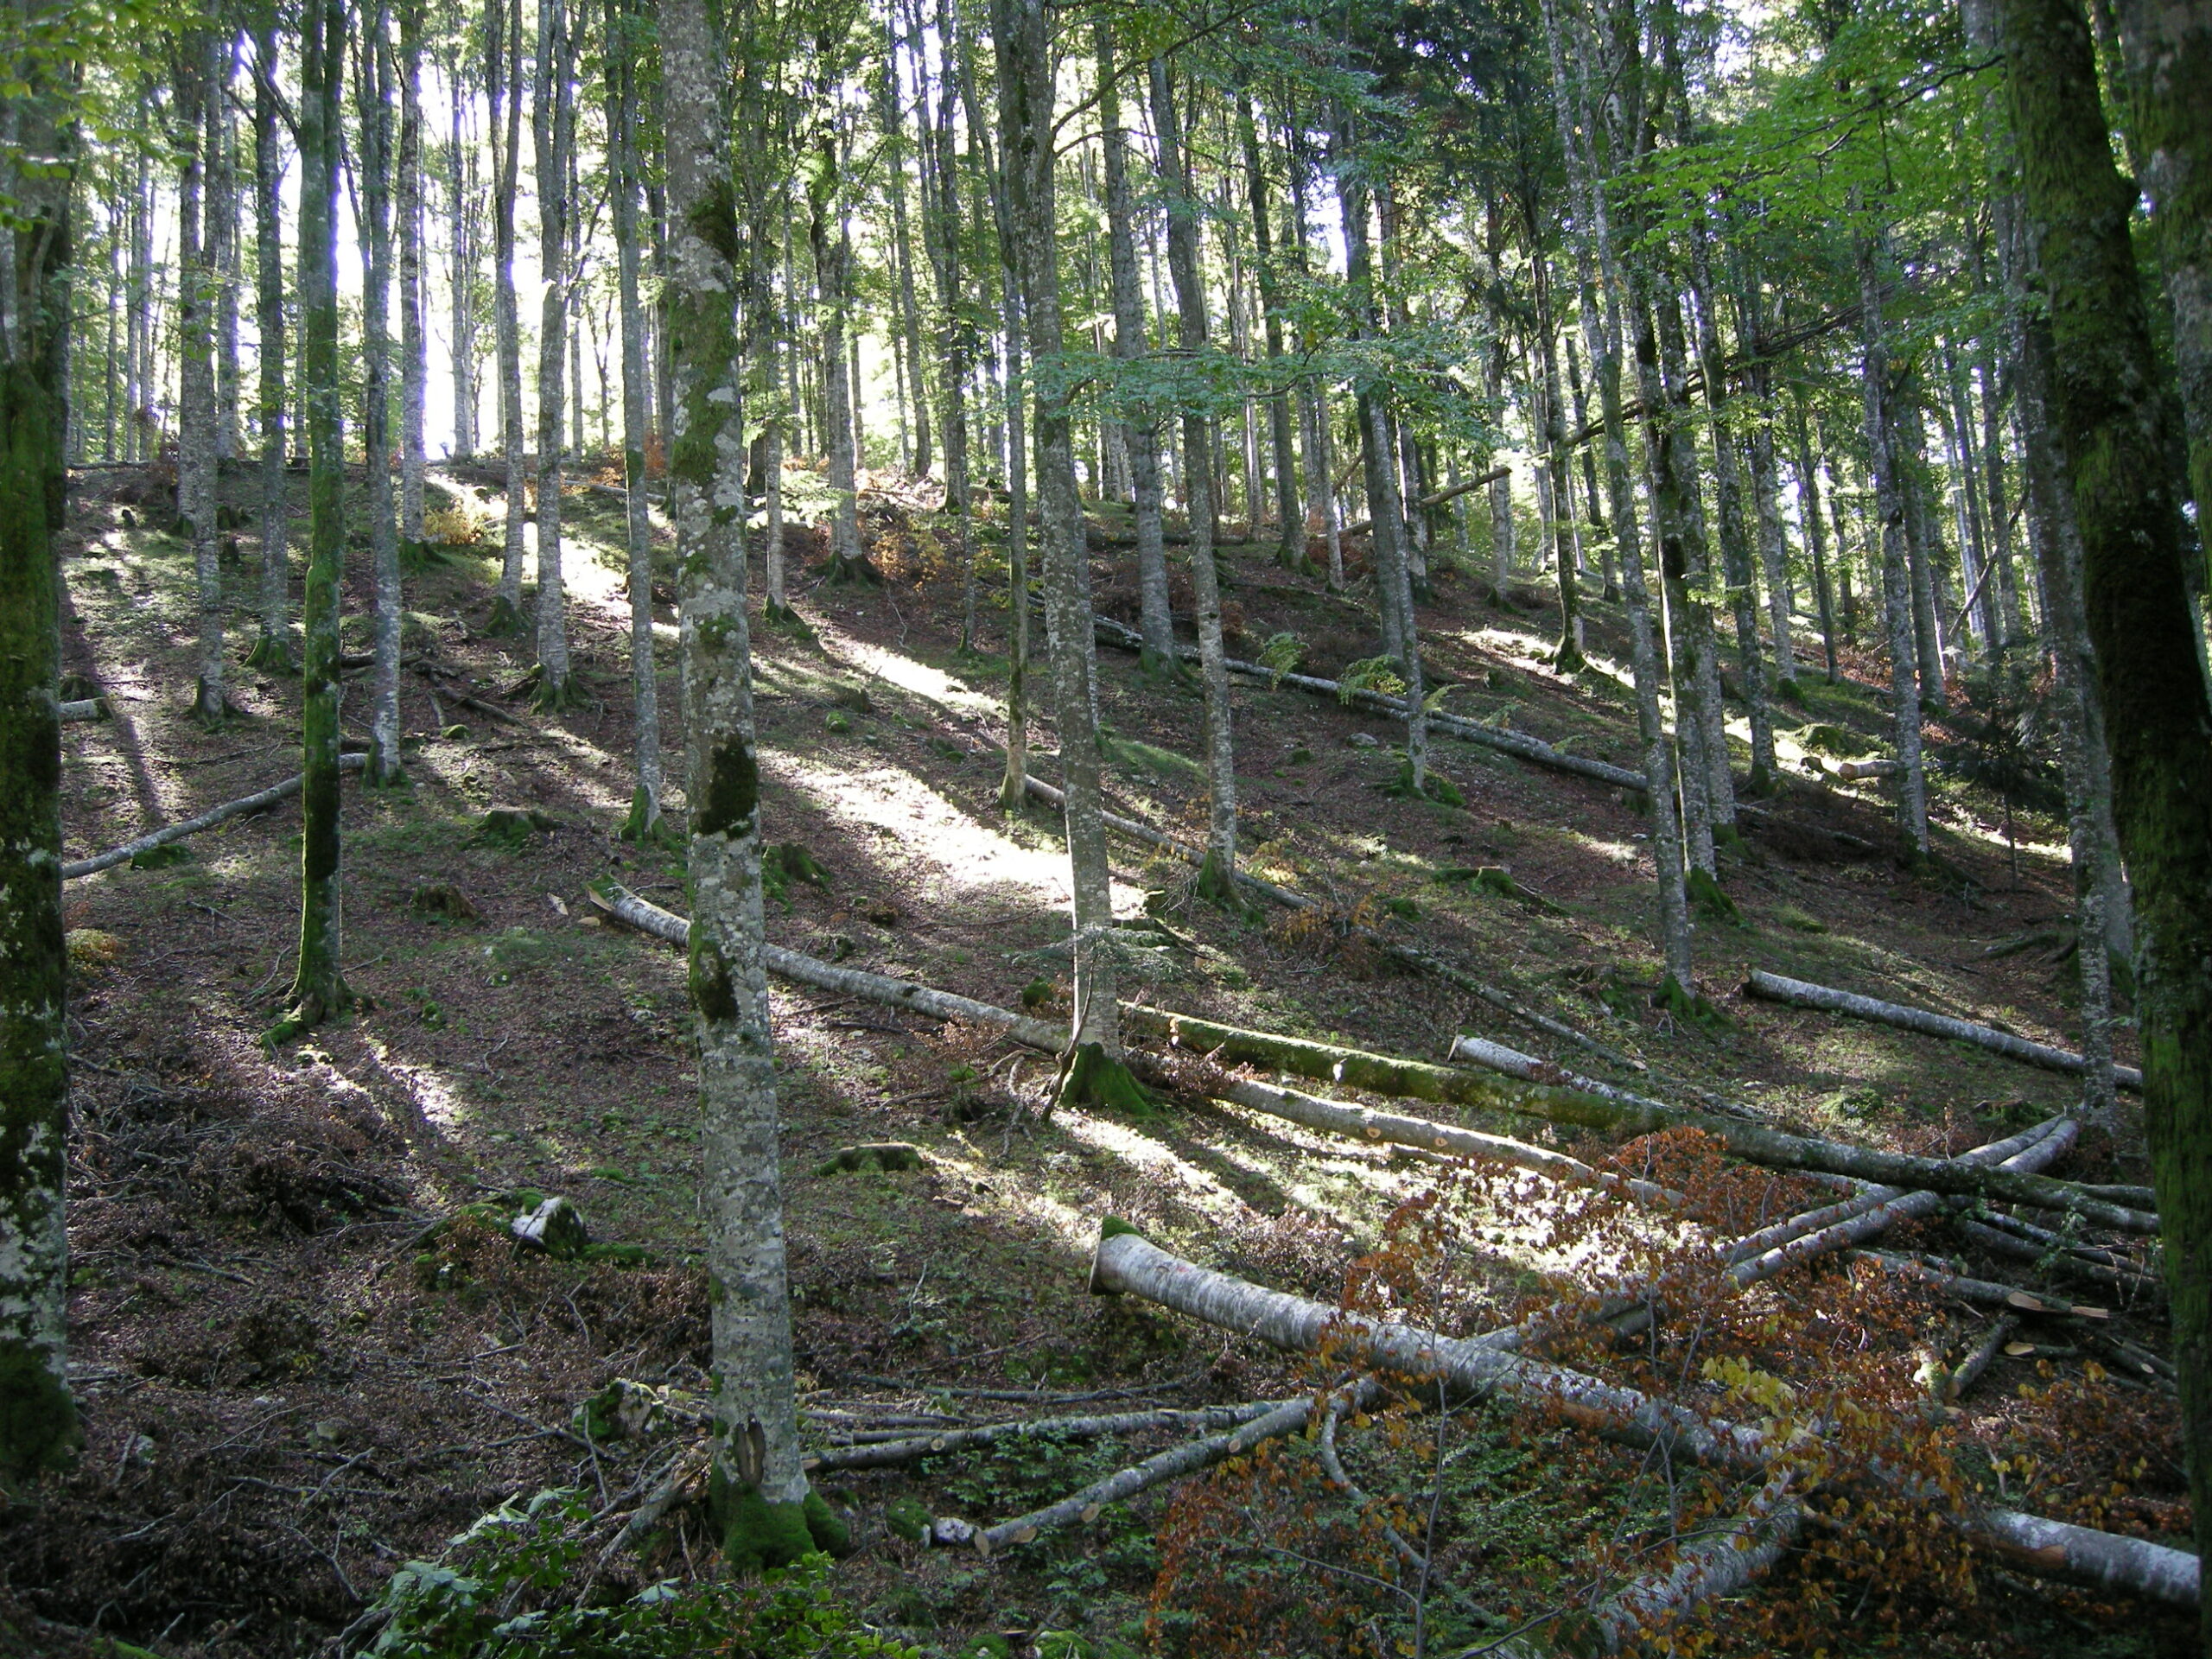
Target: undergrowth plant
[(515, 1584)]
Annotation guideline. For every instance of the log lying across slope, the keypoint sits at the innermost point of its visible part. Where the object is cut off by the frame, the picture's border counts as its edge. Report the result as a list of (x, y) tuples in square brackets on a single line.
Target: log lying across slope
[(258, 802), (1517, 744), (1128, 1263), (1416, 1079), (1803, 993)]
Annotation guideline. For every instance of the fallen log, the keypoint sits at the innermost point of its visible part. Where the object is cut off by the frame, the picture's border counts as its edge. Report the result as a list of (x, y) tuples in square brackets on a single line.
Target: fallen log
[(1718, 1561), (1801, 994), (1126, 1262), (1365, 1123), (1188, 1459), (1756, 1142), (1818, 1232), (1520, 745), (207, 820), (1987, 1292), (1955, 1383), (1420, 960), (1415, 1079), (910, 1448), (2056, 1260), (85, 709)]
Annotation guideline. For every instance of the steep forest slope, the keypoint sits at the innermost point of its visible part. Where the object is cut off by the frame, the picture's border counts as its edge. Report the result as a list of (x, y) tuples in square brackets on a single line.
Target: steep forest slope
[(308, 1352)]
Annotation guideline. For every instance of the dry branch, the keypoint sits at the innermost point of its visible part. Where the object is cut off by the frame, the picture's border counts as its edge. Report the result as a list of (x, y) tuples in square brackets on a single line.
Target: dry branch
[(1126, 1262), (1188, 1459), (909, 1448), (207, 820), (1798, 993)]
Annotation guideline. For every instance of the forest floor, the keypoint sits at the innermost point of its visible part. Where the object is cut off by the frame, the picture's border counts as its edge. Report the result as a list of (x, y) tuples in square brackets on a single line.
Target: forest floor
[(299, 1371)]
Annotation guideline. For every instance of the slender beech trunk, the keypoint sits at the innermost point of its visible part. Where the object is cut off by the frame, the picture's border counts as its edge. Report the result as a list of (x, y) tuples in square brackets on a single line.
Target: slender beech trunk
[(1013, 309), (373, 98), (1883, 451), (414, 359), (1816, 537), (38, 1420), (637, 402), (1923, 542), (1218, 878), (1594, 502), (1140, 425), (1978, 572), (319, 990), (825, 238), (196, 91), (2169, 56), (1568, 658), (941, 238), (902, 243), (763, 309), (462, 228), (761, 1499), (552, 122), (1766, 487), (272, 651), (223, 243), (1026, 112), (1501, 487), (2108, 406), (1386, 513), (503, 62), (1323, 511), (1596, 266)]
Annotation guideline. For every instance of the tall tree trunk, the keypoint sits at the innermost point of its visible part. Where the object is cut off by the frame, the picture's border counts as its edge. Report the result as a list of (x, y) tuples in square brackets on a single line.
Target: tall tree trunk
[(1140, 425), (761, 1499), (2168, 55), (1217, 880), (941, 237), (196, 93), (1922, 540), (1323, 511), (1596, 263), (909, 325), (1026, 115), (461, 200), (1594, 502), (1816, 537), (1883, 448), (272, 651), (1386, 513), (319, 990), (1568, 658), (372, 97), (622, 124), (2108, 404), (552, 121), (825, 237), (1013, 310), (503, 62), (1979, 573), (414, 360), (38, 1420), (223, 243)]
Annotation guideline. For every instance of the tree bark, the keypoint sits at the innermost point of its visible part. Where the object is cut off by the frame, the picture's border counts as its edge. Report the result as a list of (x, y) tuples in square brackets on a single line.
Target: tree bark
[(196, 92), (1025, 118), (1292, 551), (910, 313), (1177, 185), (2108, 401), (761, 1488), (622, 123), (38, 1419), (373, 99), (552, 122), (1139, 424), (463, 228), (414, 360), (1809, 495), (319, 990), (273, 649), (502, 66)]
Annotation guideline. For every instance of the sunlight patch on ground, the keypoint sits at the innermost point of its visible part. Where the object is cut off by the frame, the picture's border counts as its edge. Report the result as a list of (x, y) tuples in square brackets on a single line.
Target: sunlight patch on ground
[(943, 852), (1144, 1153), (909, 675), (1024, 1200)]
